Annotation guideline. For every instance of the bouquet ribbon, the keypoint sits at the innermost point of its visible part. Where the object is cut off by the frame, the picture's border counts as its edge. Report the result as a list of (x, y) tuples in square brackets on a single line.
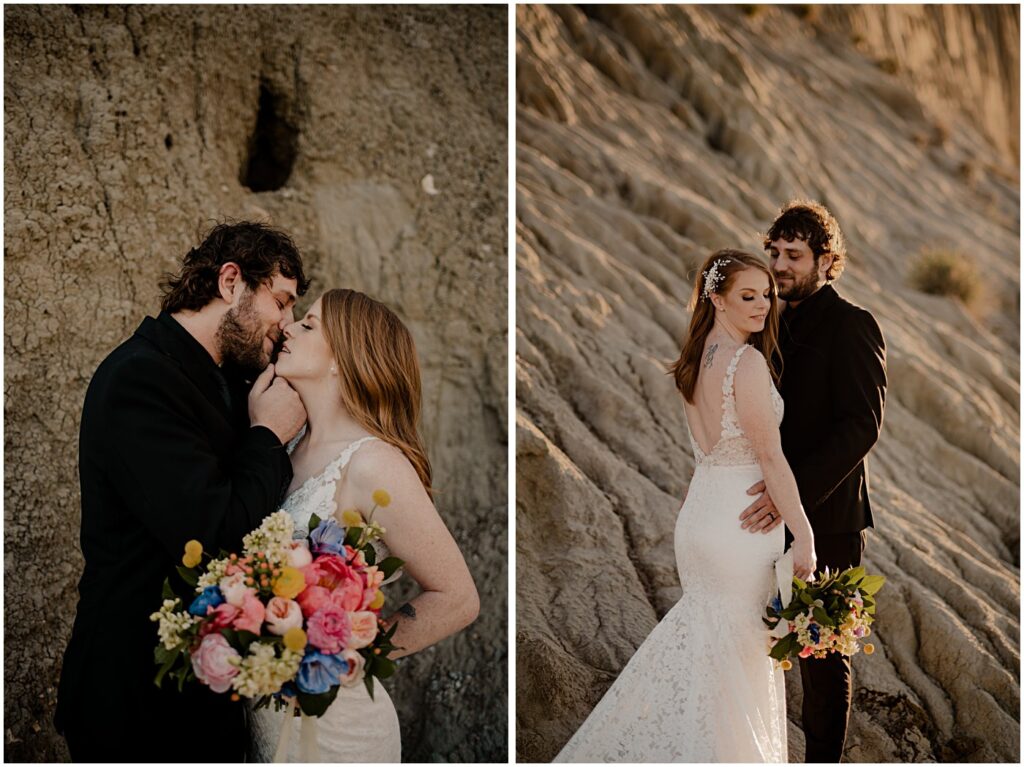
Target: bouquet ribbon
[(309, 749)]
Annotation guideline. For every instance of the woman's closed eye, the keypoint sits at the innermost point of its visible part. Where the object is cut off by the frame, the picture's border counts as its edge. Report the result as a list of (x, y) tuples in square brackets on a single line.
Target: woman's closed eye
[(307, 327)]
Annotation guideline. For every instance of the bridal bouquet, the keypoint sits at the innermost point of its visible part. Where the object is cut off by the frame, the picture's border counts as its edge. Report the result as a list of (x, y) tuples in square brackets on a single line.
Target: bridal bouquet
[(832, 614), (289, 619)]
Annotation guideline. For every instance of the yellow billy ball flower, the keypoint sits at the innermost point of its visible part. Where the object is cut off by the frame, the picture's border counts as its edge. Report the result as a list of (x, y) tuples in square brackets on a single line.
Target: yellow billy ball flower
[(378, 601), (867, 631), (351, 518), (193, 554), (295, 639), (786, 664), (290, 583), (869, 648), (381, 498)]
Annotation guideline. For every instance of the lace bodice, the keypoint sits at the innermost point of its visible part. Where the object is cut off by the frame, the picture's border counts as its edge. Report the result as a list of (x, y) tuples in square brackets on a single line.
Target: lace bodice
[(316, 494), (733, 448)]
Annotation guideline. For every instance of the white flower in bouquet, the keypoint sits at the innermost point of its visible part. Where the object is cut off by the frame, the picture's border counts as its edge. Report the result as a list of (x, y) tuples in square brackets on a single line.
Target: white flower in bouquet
[(261, 672), (215, 571), (172, 624), (273, 538)]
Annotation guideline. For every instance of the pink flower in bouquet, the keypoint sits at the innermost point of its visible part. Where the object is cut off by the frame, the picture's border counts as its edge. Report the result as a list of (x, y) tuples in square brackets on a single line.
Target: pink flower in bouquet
[(312, 599), (252, 614), (354, 556), (217, 618), (329, 629), (807, 652), (234, 589), (372, 578), (212, 662), (345, 584), (355, 663), (364, 629), (298, 555), (283, 614)]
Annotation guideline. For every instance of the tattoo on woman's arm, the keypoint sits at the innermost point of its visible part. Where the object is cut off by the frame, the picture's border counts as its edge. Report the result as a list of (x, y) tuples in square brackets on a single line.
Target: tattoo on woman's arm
[(408, 610)]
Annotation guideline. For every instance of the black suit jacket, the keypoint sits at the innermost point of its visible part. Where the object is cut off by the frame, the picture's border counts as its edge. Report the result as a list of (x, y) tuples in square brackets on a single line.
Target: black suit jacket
[(833, 384), (164, 457)]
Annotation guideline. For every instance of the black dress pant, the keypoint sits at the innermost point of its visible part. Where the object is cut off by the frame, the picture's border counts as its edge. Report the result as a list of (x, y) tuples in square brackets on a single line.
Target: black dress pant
[(827, 682)]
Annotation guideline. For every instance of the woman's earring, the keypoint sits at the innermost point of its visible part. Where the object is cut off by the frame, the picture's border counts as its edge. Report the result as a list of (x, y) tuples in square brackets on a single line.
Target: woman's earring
[(333, 370)]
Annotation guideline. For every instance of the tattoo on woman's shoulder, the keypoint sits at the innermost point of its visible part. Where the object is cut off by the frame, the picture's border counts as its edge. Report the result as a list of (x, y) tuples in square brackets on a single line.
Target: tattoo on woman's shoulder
[(408, 610)]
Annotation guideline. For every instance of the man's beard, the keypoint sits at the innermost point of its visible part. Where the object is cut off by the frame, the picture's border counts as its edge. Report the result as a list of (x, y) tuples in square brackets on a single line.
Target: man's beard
[(798, 289), (241, 335)]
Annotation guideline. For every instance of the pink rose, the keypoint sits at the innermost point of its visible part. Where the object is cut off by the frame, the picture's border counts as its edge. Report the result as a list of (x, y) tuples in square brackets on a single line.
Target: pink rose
[(364, 629), (251, 615), (344, 583), (217, 618), (298, 555), (355, 668), (807, 652), (313, 598), (212, 662), (283, 614), (329, 629), (233, 588)]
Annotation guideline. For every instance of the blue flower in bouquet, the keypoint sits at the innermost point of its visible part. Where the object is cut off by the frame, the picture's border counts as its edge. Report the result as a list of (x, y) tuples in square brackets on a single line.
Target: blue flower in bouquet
[(211, 597), (328, 538), (814, 632), (319, 672), (776, 604), (288, 690)]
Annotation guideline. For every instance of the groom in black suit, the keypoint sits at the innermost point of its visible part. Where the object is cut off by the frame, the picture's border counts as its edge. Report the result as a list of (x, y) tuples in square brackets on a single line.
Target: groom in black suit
[(167, 454), (833, 384)]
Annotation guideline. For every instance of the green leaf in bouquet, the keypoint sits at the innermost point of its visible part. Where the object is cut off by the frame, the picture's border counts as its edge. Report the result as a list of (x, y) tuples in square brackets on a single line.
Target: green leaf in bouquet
[(806, 598), (368, 681), (245, 638), (798, 584), (189, 575), (370, 554), (783, 647), (314, 522), (166, 659), (168, 592), (871, 584), (822, 617), (229, 634), (856, 575), (384, 667), (352, 536), (389, 566), (391, 631), (316, 705)]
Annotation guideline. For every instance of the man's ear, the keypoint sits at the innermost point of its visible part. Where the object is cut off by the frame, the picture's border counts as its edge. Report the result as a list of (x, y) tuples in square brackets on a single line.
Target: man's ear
[(229, 282), (825, 263)]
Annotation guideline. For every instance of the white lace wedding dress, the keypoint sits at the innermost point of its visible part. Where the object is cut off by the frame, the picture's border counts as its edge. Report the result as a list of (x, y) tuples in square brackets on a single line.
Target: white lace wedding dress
[(355, 728), (701, 687)]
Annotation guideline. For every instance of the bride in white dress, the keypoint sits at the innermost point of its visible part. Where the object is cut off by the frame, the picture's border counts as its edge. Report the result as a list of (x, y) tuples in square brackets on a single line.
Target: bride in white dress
[(701, 687), (353, 364)]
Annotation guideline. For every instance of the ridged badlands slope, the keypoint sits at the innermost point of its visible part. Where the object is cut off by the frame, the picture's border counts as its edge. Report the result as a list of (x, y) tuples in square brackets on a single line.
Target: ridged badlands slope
[(648, 137)]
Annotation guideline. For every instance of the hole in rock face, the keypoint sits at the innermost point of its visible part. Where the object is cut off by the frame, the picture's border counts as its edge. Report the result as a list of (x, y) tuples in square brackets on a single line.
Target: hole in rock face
[(272, 146), (168, 141)]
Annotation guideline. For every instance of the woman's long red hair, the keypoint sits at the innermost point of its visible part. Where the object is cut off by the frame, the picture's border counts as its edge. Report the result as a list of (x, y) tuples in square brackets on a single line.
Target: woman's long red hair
[(379, 372)]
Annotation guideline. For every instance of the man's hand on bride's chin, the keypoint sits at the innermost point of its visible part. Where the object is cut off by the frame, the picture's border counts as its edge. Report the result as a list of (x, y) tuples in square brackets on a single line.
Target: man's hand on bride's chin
[(761, 516)]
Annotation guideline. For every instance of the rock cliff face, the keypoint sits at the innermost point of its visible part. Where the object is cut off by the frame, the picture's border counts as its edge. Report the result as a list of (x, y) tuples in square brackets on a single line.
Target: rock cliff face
[(648, 137), (128, 130)]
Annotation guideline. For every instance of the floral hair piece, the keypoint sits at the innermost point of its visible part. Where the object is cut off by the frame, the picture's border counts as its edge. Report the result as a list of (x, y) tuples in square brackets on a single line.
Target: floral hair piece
[(713, 277)]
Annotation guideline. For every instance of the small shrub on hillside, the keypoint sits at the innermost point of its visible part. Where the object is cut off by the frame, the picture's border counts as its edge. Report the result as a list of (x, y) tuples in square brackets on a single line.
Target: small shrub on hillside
[(945, 273)]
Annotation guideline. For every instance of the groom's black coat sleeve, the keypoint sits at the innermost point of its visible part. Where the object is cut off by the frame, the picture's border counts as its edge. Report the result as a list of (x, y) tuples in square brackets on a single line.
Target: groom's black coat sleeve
[(177, 484), (857, 384)]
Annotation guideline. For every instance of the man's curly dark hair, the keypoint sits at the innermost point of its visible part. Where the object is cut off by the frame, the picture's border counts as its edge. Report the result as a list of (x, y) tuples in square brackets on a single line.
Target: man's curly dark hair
[(811, 222), (259, 250)]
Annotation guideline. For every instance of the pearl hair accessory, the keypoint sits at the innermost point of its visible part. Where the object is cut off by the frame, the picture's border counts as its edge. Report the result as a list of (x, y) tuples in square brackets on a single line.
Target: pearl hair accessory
[(712, 277)]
